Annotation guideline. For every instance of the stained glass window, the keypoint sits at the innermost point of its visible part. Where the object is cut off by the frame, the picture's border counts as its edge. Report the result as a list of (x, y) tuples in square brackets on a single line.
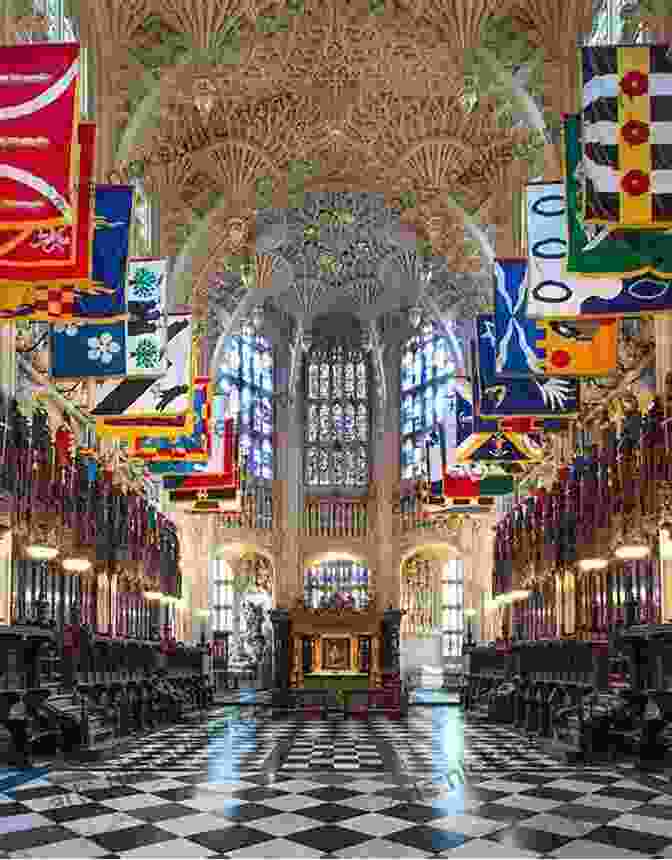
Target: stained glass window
[(222, 596), (323, 582), (337, 417), (452, 591), (245, 383), (427, 395)]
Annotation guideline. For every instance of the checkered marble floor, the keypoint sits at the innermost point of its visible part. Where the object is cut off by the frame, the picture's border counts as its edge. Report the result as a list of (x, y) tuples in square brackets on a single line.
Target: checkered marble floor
[(335, 743), (438, 740), (219, 810), (230, 734)]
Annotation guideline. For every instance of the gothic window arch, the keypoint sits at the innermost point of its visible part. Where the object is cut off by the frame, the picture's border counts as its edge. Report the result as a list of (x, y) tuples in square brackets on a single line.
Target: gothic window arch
[(337, 417), (427, 395), (245, 384)]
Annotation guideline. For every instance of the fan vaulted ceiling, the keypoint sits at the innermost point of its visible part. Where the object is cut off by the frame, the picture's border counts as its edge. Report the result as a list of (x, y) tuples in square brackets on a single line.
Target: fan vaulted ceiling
[(247, 100), (346, 251)]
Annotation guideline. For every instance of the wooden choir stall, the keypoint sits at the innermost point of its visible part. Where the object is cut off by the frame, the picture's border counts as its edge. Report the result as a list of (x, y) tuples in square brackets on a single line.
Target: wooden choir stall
[(336, 649)]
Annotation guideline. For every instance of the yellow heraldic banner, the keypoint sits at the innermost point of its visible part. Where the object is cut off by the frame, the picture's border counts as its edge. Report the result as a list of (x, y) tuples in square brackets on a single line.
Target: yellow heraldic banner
[(627, 131)]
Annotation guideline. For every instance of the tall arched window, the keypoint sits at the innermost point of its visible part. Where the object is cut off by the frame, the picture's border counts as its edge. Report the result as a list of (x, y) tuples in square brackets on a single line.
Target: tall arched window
[(452, 591), (427, 395), (245, 383), (222, 596), (337, 417)]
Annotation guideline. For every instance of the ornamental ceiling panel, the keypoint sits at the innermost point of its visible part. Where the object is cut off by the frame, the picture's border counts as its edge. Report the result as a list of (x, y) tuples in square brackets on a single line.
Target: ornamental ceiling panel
[(374, 105)]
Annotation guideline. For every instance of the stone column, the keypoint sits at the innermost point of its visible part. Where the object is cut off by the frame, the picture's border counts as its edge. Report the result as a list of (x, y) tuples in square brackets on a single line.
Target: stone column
[(383, 541), (287, 485), (280, 621), (375, 675), (8, 389), (391, 632)]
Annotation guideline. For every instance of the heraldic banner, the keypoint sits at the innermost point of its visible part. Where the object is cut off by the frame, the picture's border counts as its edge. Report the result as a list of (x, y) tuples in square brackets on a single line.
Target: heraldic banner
[(502, 397), (146, 298), (627, 164), (526, 346), (141, 399), (39, 116), (552, 292), (43, 273), (99, 349), (195, 447), (596, 251)]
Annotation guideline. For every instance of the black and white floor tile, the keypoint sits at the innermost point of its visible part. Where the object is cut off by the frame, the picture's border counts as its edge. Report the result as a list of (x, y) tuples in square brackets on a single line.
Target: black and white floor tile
[(334, 744), (437, 739), (217, 806)]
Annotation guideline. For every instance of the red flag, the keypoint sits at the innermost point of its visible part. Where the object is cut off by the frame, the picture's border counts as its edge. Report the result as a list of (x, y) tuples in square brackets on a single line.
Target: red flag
[(60, 255), (39, 115)]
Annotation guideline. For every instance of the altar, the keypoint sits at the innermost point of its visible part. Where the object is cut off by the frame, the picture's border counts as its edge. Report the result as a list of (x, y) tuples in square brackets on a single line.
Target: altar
[(336, 681), (335, 649)]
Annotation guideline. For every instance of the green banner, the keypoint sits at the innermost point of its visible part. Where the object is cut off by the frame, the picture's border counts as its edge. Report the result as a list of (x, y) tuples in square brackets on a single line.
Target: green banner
[(623, 253)]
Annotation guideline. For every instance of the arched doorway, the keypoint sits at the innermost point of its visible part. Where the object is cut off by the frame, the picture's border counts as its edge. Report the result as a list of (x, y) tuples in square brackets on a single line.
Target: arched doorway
[(241, 598), (432, 632)]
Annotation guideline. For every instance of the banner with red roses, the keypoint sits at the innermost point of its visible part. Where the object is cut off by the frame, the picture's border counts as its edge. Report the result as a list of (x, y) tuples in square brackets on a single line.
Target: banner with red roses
[(627, 131)]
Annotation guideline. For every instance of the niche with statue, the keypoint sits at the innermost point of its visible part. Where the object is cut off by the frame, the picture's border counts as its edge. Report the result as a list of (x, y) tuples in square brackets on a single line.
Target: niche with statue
[(253, 587)]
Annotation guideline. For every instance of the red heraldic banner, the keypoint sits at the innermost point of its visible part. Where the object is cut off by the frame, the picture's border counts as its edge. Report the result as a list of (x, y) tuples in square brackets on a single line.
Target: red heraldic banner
[(60, 254), (39, 116)]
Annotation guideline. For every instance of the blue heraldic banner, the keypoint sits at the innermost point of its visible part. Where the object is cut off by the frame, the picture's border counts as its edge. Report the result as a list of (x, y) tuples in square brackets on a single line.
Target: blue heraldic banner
[(114, 207), (94, 349), (516, 335), (480, 441), (91, 350), (506, 397)]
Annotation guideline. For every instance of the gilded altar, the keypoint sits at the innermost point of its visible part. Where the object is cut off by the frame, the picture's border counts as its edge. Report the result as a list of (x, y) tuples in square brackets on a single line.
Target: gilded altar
[(343, 642)]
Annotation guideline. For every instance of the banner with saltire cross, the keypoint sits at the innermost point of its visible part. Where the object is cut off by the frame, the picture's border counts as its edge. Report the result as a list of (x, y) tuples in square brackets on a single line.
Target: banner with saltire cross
[(526, 347)]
